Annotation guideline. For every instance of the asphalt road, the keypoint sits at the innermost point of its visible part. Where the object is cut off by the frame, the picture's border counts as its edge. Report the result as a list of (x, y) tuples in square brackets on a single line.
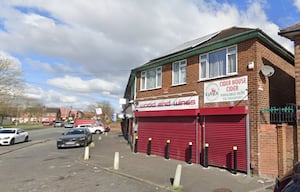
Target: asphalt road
[(39, 166)]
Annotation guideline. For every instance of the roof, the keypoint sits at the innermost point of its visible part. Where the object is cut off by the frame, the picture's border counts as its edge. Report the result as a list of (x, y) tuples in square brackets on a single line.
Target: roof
[(291, 32), (67, 112), (52, 110), (189, 44), (213, 41)]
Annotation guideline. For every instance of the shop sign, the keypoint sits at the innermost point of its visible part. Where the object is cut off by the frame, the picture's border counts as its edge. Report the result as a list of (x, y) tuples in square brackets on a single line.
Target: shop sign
[(169, 104), (99, 111), (233, 89)]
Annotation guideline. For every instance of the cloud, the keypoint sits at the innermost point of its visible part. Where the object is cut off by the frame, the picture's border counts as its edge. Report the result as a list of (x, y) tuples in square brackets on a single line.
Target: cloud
[(297, 4), (51, 68), (77, 84), (91, 46), (55, 98)]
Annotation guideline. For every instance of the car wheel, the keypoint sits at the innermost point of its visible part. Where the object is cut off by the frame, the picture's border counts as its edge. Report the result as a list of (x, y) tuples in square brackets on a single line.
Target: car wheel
[(58, 147), (12, 141), (98, 132), (26, 139)]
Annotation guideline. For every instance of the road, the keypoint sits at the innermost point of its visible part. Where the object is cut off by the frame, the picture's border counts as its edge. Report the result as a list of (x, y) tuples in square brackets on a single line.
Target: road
[(39, 166)]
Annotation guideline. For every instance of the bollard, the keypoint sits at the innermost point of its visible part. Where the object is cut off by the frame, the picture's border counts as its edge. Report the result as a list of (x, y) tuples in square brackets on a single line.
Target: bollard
[(167, 150), (190, 153), (136, 144), (86, 153), (206, 155), (149, 146), (234, 159), (92, 144), (176, 182), (116, 161), (99, 138)]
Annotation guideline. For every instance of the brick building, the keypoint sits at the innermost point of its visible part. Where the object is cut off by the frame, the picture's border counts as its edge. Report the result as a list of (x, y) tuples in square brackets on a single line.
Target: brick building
[(229, 91), (293, 33)]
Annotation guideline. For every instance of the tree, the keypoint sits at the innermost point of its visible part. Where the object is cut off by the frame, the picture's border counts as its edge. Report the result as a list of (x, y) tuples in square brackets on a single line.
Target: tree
[(33, 108), (11, 83), (107, 110), (11, 86)]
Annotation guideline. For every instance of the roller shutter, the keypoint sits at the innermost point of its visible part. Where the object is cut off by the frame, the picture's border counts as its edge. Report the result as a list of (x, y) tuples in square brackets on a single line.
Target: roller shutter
[(222, 133), (179, 130)]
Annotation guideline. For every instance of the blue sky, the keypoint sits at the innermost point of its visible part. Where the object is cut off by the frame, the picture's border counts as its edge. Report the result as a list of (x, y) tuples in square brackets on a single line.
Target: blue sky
[(76, 54)]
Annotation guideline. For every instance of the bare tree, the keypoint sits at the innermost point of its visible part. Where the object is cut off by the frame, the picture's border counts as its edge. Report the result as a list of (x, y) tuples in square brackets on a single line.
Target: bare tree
[(11, 82), (33, 108), (11, 85), (107, 110)]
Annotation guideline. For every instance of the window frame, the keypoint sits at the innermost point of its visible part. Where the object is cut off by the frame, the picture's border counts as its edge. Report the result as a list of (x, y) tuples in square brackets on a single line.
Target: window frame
[(144, 79), (180, 78), (205, 61)]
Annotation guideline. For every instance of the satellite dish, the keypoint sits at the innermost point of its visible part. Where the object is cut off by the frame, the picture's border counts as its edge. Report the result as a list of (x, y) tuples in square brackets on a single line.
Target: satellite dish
[(267, 70)]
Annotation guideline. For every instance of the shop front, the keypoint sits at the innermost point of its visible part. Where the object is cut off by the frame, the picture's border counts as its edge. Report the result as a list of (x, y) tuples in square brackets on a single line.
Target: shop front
[(169, 122)]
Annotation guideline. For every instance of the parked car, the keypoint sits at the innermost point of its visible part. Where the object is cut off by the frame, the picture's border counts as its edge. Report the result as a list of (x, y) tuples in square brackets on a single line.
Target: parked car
[(290, 182), (84, 121), (69, 125), (58, 124), (10, 136), (75, 138), (94, 128), (47, 123), (107, 129), (97, 129)]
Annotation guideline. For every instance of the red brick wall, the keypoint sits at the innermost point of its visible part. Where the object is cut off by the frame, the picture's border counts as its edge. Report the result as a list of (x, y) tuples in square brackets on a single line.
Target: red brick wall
[(275, 154), (268, 153), (297, 71), (260, 99), (167, 88), (285, 148)]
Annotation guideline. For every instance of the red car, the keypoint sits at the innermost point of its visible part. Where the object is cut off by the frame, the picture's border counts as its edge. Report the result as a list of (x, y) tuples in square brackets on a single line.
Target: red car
[(47, 123)]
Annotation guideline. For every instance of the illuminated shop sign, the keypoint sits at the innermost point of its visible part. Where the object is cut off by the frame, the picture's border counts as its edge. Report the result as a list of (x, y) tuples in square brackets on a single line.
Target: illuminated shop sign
[(169, 104), (233, 89)]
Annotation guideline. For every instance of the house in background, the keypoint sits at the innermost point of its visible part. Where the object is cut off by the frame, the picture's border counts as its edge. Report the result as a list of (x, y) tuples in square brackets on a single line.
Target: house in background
[(50, 114), (231, 92), (70, 114)]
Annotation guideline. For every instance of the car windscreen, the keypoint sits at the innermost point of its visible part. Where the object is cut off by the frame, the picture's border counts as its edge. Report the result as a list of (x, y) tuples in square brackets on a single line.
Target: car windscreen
[(75, 132), (7, 131)]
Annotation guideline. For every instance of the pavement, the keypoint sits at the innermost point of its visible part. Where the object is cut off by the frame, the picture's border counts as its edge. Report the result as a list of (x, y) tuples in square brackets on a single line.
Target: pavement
[(113, 154)]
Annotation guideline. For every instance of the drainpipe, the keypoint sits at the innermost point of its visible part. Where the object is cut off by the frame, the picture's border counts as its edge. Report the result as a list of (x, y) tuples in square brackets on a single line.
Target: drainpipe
[(248, 143), (197, 138), (204, 137)]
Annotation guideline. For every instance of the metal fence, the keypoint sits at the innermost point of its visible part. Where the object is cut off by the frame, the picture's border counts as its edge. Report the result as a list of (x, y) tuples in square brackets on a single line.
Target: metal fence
[(281, 114)]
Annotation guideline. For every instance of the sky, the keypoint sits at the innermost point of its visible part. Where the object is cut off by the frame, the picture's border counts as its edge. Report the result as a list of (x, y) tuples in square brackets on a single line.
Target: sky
[(76, 53)]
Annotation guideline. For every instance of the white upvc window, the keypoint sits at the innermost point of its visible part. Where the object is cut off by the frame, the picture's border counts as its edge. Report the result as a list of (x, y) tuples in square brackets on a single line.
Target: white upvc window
[(179, 72), (151, 79), (220, 63), (232, 60)]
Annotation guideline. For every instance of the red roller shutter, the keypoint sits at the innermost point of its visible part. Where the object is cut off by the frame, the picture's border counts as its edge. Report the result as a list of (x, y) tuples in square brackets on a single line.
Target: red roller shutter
[(222, 133), (179, 130)]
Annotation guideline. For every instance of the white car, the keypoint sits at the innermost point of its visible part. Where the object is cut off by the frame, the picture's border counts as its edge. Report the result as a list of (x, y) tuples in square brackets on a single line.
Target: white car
[(98, 129), (10, 136)]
